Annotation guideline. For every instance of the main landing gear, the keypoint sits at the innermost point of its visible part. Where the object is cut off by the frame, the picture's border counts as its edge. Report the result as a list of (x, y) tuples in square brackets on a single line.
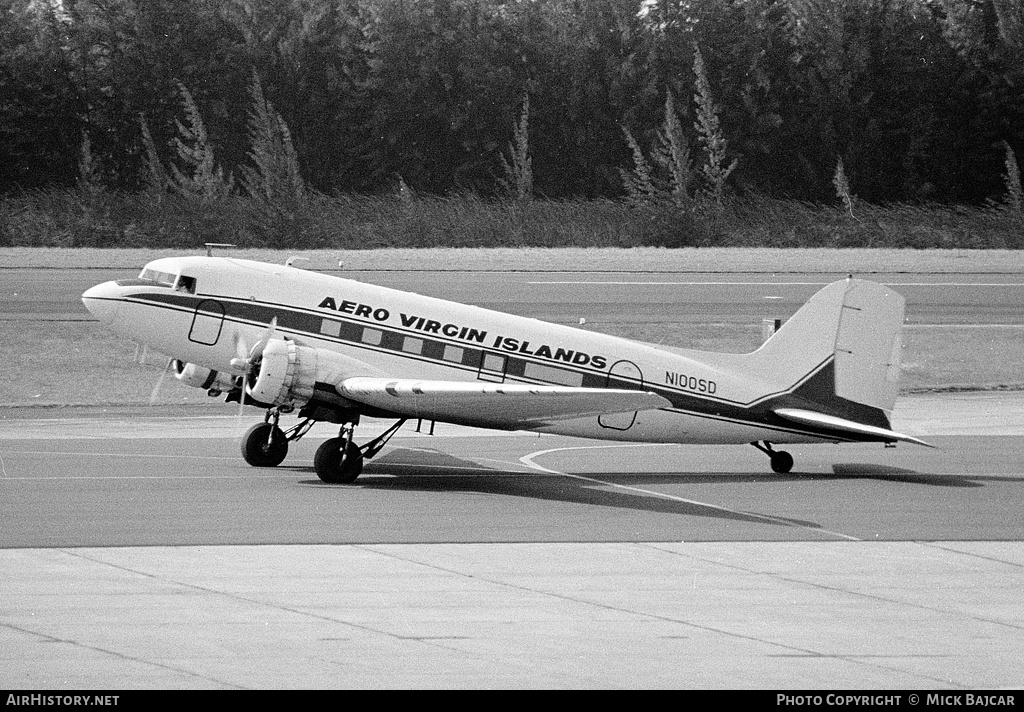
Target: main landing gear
[(266, 445), (337, 461), (782, 462)]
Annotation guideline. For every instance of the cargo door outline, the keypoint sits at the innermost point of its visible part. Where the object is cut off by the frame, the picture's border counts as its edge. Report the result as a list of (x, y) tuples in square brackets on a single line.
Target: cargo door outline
[(622, 374), (207, 322)]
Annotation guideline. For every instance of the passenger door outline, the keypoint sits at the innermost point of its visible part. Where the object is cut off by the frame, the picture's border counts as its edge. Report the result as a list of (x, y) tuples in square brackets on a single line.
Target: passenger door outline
[(634, 380), (207, 323)]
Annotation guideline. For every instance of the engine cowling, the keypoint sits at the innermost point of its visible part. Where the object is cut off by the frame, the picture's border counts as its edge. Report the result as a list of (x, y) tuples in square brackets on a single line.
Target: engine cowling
[(200, 377), (285, 374)]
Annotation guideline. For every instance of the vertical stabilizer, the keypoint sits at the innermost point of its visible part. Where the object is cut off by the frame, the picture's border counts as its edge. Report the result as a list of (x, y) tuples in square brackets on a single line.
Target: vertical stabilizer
[(849, 334)]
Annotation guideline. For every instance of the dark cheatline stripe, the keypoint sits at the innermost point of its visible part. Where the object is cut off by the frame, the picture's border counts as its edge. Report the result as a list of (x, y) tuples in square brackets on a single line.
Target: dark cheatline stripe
[(815, 391)]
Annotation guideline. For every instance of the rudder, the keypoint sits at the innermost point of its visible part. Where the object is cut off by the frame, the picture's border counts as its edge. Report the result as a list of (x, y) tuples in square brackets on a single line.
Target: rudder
[(869, 345)]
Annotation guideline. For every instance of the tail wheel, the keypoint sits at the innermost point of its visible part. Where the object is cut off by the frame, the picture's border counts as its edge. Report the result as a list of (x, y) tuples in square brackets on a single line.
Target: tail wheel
[(336, 463), (782, 462), (264, 445)]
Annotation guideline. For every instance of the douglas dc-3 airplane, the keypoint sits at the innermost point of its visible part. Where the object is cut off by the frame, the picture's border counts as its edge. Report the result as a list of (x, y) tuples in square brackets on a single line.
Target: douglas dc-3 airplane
[(334, 349)]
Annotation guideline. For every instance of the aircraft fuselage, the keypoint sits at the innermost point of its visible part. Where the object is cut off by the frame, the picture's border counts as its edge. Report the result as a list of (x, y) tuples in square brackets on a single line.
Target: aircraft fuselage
[(205, 307)]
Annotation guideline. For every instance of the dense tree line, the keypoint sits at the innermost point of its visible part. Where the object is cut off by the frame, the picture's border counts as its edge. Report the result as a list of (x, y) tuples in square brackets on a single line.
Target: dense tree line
[(918, 98)]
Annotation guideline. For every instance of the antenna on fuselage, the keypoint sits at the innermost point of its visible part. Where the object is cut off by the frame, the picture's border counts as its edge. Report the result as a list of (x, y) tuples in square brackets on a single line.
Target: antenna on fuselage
[(211, 245)]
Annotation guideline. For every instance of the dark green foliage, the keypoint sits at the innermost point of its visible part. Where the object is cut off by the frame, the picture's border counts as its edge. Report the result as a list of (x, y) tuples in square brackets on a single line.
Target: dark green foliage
[(120, 219), (918, 98)]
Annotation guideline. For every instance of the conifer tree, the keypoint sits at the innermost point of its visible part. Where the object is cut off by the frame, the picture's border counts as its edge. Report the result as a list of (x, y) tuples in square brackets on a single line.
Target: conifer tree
[(90, 193), (639, 183), (842, 186), (156, 179), (88, 172), (1014, 193), (674, 152), (518, 180), (709, 133), (199, 178), (273, 176), (273, 179)]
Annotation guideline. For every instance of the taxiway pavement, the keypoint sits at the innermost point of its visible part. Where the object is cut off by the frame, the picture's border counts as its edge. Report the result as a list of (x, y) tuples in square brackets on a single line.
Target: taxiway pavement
[(142, 553)]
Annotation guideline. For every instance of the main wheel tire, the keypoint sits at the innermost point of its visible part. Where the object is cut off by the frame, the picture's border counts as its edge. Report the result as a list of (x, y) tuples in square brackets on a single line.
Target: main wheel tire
[(332, 467), (264, 445), (782, 462)]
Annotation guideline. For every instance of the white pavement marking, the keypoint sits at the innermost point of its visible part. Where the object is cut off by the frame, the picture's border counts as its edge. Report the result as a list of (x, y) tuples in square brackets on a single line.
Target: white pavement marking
[(964, 326), (765, 284), (528, 461)]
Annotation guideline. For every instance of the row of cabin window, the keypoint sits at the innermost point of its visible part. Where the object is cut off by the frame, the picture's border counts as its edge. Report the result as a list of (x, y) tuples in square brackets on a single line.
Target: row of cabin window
[(493, 363)]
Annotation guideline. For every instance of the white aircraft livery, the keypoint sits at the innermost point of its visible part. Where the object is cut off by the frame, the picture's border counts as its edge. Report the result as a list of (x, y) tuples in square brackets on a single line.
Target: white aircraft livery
[(334, 349)]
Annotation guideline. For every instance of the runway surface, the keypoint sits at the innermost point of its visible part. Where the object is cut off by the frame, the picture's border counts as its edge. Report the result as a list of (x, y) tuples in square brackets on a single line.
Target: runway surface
[(600, 297), (137, 550)]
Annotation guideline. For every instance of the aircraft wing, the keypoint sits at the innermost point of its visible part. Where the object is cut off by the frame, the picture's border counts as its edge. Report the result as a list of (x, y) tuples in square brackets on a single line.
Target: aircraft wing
[(810, 417), (500, 405)]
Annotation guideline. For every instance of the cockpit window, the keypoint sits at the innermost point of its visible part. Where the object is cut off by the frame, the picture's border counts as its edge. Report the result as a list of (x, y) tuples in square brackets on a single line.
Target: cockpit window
[(164, 278), (156, 278)]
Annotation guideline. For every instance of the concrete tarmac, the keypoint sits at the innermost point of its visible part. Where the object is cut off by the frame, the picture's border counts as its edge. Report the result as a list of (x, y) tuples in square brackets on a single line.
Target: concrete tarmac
[(773, 582)]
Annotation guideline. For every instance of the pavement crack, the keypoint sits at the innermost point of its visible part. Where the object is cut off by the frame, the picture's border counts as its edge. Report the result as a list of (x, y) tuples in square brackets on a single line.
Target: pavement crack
[(46, 638)]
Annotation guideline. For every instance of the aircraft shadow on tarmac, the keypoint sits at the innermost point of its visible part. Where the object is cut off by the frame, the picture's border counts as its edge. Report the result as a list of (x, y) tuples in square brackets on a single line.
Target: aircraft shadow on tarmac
[(847, 471), (450, 474), (432, 469), (871, 471)]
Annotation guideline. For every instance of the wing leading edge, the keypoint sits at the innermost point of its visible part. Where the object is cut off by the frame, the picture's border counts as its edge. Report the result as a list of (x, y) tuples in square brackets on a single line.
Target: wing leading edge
[(494, 404)]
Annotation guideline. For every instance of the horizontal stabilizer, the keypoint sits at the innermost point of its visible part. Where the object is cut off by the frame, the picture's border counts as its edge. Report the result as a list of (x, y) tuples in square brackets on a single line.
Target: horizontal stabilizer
[(493, 404), (809, 417)]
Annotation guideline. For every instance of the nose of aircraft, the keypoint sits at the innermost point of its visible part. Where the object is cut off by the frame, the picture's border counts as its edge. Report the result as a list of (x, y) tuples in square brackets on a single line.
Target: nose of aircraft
[(101, 301)]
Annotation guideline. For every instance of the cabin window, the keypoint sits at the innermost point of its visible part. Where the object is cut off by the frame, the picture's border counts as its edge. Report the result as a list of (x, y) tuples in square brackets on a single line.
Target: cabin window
[(492, 368), (453, 353), (372, 336), (330, 327), (550, 374), (493, 362), (412, 345), (186, 284)]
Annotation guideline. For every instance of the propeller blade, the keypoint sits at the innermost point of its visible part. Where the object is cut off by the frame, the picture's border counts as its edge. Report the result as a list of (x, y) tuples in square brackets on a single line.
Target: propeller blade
[(160, 381), (241, 408), (241, 360), (246, 359)]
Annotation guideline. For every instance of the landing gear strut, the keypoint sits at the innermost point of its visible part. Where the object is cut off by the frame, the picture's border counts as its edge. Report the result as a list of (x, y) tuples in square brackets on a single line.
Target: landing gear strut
[(339, 460), (782, 462), (266, 445)]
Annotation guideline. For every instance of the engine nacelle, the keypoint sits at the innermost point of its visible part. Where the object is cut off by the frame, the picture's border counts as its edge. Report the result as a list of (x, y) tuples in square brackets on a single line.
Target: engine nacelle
[(200, 377), (285, 374)]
